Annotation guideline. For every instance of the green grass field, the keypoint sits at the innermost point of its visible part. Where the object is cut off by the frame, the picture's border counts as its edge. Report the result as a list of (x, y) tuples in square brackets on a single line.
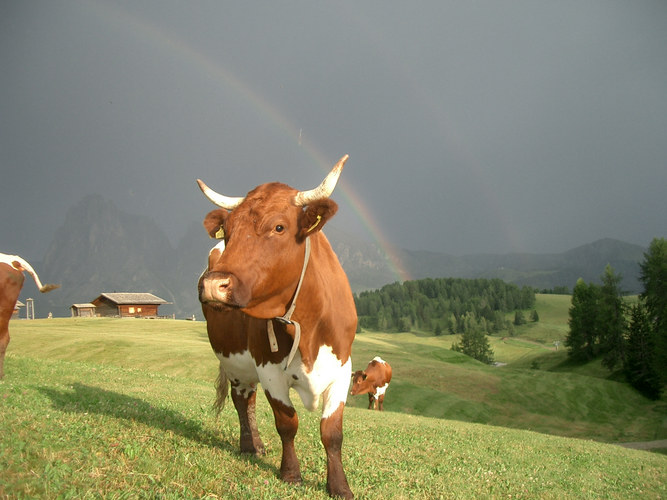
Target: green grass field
[(93, 408)]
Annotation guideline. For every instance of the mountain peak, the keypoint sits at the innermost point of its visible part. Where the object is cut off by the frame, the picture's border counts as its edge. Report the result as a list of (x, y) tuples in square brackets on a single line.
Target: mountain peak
[(101, 248)]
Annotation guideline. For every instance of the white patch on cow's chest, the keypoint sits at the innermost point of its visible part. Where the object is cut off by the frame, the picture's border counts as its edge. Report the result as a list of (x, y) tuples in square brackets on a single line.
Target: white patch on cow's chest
[(328, 380), (241, 371)]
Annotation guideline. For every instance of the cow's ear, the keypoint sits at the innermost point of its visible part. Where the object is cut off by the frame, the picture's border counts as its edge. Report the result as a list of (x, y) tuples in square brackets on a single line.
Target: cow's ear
[(214, 223), (365, 375), (315, 215)]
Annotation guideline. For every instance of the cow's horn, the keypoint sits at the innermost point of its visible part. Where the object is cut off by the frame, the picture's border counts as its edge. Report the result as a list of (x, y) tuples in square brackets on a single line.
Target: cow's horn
[(226, 202), (325, 189)]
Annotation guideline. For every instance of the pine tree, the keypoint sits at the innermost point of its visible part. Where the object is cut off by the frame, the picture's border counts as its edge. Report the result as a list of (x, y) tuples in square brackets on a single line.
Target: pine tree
[(519, 318), (499, 322), (653, 275), (639, 366), (581, 340), (475, 344), (611, 319)]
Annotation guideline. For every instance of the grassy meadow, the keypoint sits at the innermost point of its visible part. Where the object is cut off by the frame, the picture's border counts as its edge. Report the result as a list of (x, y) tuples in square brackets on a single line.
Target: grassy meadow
[(114, 408)]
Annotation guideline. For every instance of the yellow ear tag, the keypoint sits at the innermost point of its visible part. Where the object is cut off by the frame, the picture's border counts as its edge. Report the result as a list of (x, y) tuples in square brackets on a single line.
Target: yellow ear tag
[(319, 218), (220, 234)]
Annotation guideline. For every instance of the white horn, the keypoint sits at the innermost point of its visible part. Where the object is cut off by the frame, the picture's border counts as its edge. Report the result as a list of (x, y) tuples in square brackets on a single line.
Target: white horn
[(325, 189), (226, 202)]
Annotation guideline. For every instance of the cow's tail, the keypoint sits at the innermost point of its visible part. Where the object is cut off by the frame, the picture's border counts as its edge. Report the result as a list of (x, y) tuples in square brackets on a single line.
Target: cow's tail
[(48, 287), (23, 265), (221, 391)]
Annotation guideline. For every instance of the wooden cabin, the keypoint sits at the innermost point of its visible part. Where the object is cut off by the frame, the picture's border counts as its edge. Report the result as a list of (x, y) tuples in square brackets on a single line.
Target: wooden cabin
[(128, 305), (87, 310), (15, 313)]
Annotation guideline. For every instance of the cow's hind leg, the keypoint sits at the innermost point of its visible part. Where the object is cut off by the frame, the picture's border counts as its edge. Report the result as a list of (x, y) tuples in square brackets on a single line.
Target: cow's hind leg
[(287, 423), (381, 402), (244, 402), (4, 341)]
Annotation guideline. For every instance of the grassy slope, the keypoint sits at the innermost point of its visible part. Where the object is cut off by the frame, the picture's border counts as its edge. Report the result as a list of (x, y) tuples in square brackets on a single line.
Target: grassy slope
[(579, 401), (127, 410), (564, 404), (173, 347), (85, 430)]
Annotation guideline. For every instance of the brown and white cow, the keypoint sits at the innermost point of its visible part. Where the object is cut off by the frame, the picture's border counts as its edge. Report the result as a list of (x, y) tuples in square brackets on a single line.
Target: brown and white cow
[(374, 380), (280, 312), (11, 282)]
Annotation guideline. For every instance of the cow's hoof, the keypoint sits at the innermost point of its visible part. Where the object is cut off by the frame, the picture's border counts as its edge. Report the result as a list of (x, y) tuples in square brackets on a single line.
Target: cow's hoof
[(291, 478), (252, 447), (344, 492), (258, 451)]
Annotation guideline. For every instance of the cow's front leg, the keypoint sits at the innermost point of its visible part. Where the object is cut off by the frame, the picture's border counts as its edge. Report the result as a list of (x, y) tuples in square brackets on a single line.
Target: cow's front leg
[(331, 430), (244, 402), (381, 402), (287, 423), (371, 400)]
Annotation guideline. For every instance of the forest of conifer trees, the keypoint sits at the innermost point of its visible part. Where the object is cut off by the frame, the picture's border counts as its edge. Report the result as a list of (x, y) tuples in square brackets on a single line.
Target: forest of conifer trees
[(444, 305)]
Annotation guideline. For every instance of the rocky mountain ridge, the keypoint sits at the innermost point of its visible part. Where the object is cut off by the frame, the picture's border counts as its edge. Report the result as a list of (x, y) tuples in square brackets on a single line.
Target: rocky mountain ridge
[(100, 249)]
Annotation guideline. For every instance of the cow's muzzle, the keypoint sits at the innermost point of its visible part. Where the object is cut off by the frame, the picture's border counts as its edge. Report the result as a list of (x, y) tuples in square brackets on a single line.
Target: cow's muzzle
[(217, 288)]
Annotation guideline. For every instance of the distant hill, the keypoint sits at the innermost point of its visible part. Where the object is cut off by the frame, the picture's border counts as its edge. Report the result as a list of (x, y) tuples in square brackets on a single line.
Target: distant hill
[(368, 267), (100, 248)]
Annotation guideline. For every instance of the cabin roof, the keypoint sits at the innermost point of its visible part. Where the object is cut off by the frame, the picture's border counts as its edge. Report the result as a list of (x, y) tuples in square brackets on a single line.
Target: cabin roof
[(125, 298)]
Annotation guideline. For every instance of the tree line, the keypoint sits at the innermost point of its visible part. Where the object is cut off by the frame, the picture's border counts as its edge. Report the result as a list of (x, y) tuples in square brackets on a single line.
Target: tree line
[(444, 305), (631, 337)]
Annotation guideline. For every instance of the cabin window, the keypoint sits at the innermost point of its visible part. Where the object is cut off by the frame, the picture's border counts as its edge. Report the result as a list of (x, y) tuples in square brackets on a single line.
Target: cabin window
[(131, 310), (138, 309)]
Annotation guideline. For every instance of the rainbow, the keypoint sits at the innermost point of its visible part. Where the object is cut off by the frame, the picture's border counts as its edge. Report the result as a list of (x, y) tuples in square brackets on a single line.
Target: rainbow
[(264, 108)]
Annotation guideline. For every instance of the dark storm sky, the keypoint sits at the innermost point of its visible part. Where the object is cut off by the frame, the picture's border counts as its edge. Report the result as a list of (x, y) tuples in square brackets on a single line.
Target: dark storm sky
[(472, 127)]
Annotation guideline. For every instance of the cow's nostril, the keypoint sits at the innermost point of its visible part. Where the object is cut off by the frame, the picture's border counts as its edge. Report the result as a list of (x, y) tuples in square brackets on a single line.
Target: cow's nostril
[(224, 283)]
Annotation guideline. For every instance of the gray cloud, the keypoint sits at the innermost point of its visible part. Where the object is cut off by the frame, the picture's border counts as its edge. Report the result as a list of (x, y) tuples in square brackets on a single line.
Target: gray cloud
[(471, 126)]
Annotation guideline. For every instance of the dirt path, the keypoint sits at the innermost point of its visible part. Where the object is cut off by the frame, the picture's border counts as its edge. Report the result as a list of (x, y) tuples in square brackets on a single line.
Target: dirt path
[(528, 341), (646, 445)]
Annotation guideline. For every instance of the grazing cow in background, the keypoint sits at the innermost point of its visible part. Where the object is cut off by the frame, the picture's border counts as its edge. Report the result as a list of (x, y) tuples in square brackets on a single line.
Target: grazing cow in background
[(280, 312), (11, 282), (374, 380)]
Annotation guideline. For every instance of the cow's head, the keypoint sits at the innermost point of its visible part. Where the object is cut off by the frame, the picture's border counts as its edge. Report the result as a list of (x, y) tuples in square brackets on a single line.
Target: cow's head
[(358, 383), (264, 235)]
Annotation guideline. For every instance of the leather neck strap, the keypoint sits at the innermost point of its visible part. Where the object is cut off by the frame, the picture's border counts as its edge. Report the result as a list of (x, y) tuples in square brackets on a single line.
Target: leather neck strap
[(286, 318)]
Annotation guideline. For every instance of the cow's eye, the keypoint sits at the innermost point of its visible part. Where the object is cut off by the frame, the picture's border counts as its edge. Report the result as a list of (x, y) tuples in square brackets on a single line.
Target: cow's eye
[(280, 228)]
